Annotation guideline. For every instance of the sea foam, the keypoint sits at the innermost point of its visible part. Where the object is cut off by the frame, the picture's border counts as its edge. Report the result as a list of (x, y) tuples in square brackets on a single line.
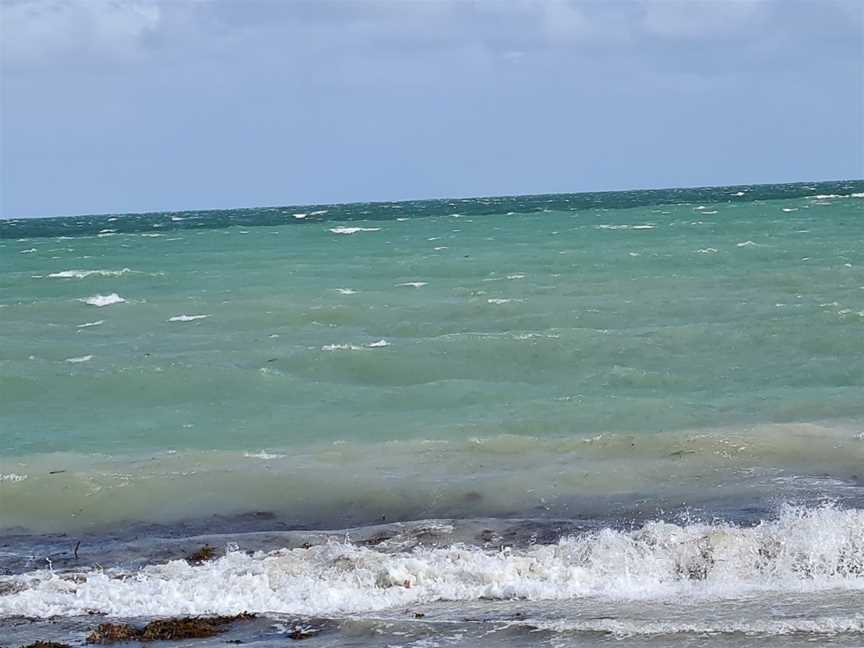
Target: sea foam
[(104, 300), (91, 324), (802, 551), (353, 230), (83, 274)]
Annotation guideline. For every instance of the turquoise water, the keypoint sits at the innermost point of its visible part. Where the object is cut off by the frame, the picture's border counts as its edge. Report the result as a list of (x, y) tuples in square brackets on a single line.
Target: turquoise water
[(506, 330), (593, 405), (559, 322)]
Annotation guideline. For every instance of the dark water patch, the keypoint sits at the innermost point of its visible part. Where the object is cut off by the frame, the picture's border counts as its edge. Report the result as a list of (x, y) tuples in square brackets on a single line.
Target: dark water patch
[(298, 215), (199, 540)]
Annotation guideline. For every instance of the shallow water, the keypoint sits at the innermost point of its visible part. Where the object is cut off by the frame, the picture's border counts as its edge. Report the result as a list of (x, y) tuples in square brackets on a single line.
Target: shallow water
[(551, 376)]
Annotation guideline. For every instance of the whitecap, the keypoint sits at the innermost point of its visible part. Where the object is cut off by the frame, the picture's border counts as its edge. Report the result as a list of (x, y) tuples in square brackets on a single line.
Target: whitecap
[(790, 209), (531, 336), (83, 274), (263, 455), (606, 226), (300, 216), (341, 347), (346, 291), (86, 358), (378, 344), (89, 324), (412, 284), (747, 244), (709, 250), (186, 318), (30, 251), (104, 300), (495, 300), (12, 477), (353, 230)]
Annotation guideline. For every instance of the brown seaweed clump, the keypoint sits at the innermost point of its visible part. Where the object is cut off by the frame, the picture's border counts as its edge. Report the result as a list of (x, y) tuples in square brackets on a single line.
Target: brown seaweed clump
[(202, 555), (46, 644), (165, 629)]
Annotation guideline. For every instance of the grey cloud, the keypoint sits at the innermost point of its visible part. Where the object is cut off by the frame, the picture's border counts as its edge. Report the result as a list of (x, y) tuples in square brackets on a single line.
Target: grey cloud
[(44, 31), (145, 104)]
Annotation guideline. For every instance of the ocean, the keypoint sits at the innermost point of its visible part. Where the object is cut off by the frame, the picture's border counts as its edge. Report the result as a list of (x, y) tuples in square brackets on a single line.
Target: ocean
[(627, 418)]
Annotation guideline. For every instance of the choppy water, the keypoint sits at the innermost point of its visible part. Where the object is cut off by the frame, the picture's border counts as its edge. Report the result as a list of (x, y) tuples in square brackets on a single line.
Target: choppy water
[(635, 414)]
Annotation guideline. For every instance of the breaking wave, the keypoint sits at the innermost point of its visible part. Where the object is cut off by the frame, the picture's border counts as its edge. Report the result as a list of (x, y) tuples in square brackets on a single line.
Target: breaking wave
[(802, 550)]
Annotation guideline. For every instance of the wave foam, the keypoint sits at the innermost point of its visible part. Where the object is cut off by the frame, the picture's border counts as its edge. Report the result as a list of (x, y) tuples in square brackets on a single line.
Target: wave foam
[(104, 300), (263, 455), (86, 358), (803, 550), (83, 274), (353, 230), (187, 318), (628, 628), (341, 347)]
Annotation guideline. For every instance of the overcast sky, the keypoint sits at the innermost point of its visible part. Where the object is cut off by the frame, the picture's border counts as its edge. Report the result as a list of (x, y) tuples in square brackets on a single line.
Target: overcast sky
[(140, 105)]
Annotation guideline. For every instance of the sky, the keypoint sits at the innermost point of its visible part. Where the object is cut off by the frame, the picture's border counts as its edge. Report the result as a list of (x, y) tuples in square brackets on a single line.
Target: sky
[(111, 106)]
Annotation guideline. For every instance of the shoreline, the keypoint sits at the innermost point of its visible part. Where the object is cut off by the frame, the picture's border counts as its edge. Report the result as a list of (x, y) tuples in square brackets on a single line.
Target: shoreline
[(559, 578)]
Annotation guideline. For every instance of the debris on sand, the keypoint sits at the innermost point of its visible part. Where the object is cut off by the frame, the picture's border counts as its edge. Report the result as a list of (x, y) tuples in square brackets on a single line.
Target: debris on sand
[(46, 644)]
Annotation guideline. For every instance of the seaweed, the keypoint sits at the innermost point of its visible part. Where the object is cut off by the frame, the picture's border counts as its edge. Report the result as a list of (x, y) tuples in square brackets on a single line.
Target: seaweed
[(202, 555), (165, 629)]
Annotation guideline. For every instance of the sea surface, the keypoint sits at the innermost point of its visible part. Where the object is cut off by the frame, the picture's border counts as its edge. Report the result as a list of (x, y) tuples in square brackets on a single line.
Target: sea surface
[(630, 418)]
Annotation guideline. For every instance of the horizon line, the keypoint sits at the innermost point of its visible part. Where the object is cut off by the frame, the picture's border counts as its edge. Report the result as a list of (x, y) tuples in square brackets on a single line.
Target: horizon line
[(428, 199)]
